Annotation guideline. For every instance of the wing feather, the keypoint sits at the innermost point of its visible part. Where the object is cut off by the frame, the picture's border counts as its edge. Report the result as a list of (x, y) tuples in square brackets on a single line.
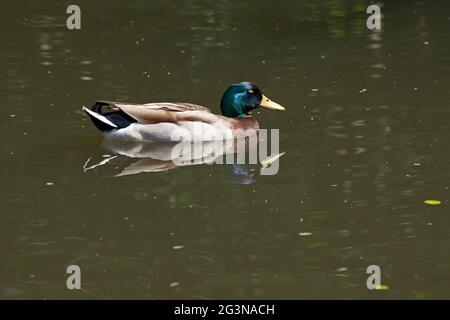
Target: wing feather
[(150, 113)]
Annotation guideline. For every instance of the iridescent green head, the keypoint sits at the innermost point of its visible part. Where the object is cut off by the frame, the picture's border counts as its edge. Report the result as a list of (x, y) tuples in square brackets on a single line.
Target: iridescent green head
[(241, 98)]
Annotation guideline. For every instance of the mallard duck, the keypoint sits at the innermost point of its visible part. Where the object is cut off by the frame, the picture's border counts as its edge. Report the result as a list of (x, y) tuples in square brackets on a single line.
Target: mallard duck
[(173, 122)]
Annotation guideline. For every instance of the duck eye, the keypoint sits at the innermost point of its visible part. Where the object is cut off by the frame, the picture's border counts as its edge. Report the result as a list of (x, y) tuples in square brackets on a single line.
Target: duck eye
[(250, 91)]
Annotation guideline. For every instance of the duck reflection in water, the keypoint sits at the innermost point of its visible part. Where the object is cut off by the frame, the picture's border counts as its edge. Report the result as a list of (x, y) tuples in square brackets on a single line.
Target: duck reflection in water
[(236, 155)]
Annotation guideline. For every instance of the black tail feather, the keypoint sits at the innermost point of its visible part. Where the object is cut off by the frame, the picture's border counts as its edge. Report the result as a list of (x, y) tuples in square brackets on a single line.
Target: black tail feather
[(114, 119)]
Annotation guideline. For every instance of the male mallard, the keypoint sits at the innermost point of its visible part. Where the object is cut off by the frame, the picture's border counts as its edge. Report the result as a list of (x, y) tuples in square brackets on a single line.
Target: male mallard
[(173, 122)]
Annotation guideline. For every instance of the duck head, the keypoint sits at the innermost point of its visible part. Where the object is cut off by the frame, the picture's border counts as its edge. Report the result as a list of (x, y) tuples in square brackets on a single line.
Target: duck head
[(241, 98)]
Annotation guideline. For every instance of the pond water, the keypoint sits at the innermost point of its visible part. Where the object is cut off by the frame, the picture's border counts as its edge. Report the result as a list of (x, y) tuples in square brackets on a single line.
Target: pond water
[(366, 135)]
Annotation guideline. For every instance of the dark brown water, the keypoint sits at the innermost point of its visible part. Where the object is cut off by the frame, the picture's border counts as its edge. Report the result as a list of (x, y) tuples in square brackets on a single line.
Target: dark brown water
[(366, 133)]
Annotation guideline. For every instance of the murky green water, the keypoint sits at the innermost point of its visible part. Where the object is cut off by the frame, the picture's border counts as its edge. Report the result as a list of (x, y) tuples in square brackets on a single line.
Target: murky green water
[(366, 134)]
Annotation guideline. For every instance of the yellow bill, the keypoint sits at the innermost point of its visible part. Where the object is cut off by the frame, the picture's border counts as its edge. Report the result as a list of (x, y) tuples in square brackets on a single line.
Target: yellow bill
[(269, 104)]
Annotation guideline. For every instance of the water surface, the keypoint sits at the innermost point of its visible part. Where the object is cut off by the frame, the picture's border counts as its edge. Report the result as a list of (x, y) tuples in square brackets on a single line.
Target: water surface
[(366, 135)]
